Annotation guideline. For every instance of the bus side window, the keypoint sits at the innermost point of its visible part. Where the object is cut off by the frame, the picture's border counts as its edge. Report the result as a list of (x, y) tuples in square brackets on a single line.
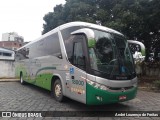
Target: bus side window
[(53, 46), (68, 40), (78, 55)]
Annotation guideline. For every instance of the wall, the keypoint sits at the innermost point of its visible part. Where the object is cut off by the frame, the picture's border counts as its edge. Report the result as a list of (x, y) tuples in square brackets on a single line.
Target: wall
[(148, 71), (7, 69), (153, 72)]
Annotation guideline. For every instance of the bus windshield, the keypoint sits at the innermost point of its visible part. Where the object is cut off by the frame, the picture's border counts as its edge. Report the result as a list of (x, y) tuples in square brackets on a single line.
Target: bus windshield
[(111, 57)]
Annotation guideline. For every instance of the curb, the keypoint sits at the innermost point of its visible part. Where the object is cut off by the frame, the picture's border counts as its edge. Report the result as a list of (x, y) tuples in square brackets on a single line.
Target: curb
[(9, 80)]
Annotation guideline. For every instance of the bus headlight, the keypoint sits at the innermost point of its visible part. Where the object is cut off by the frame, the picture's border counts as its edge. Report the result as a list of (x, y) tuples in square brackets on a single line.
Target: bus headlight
[(97, 85), (90, 82), (103, 87)]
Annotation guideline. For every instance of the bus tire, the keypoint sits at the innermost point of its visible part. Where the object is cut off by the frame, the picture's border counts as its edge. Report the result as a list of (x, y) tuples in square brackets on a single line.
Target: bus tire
[(21, 79), (57, 91)]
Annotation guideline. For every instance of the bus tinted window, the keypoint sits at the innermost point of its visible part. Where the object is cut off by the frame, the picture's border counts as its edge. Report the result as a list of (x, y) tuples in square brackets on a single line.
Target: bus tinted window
[(52, 45), (78, 55), (47, 46), (68, 40)]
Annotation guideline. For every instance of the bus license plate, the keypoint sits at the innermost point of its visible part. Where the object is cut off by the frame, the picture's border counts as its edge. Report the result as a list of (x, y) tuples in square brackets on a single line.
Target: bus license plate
[(122, 97)]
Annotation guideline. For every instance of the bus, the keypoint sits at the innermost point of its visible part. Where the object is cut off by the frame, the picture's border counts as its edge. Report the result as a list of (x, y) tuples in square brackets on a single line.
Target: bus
[(89, 63)]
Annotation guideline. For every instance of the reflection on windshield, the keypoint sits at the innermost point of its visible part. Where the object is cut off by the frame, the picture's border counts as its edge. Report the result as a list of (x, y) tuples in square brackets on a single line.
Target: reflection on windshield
[(111, 56)]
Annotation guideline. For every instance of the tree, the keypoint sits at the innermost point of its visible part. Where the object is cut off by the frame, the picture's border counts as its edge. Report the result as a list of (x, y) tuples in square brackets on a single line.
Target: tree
[(137, 19)]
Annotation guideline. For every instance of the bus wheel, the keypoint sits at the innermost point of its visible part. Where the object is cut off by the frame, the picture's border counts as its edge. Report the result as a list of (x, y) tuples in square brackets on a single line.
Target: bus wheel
[(21, 79), (57, 91)]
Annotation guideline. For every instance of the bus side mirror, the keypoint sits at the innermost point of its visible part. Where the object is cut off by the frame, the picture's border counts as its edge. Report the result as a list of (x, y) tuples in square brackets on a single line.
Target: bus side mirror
[(89, 34), (138, 55)]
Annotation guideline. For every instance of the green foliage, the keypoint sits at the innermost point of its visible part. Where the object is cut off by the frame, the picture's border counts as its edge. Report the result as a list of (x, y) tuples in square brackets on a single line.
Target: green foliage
[(137, 19)]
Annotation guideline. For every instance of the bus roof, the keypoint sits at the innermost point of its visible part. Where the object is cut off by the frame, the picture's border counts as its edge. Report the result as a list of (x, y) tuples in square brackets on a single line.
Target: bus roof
[(71, 24), (90, 25)]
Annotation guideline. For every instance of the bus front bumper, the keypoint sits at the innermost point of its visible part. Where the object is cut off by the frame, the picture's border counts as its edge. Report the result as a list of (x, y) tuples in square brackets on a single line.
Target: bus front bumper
[(95, 96)]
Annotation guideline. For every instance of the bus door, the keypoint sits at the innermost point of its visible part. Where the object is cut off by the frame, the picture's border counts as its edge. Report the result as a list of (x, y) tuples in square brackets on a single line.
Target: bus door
[(77, 70), (138, 50)]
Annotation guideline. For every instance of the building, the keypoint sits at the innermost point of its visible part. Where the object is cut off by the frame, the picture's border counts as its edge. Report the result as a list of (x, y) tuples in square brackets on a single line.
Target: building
[(11, 41), (6, 54), (12, 45), (13, 36)]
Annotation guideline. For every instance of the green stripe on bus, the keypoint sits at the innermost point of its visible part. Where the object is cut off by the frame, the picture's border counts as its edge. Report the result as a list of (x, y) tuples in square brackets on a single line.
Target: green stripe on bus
[(45, 68)]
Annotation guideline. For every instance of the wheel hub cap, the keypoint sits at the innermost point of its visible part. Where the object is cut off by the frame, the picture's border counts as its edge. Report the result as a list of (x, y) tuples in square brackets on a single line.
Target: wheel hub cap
[(58, 90)]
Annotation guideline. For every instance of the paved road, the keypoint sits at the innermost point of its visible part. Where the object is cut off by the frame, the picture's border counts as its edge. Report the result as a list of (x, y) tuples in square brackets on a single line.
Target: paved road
[(16, 97)]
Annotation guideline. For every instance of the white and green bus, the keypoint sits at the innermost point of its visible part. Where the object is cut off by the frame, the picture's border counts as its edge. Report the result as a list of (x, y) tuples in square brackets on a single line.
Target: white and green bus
[(88, 63)]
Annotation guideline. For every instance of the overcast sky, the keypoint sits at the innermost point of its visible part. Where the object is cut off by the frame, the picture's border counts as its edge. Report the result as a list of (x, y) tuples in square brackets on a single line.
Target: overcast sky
[(25, 16)]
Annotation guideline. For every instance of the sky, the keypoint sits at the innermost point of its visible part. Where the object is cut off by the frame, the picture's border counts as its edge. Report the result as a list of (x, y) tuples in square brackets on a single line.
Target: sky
[(25, 17)]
